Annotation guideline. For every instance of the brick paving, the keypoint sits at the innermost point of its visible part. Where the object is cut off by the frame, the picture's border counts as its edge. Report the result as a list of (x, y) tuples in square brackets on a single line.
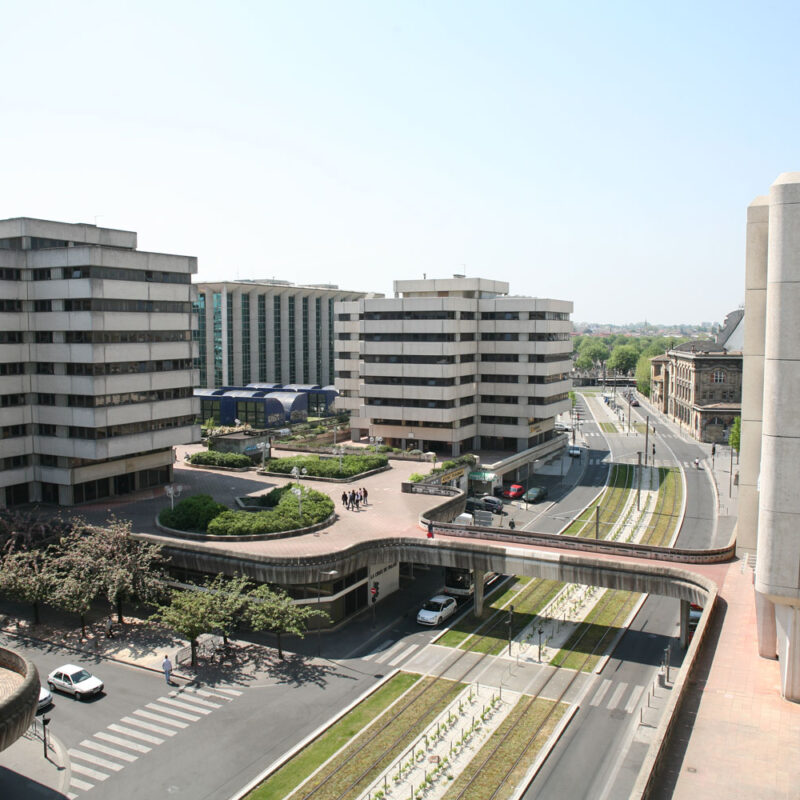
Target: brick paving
[(10, 681)]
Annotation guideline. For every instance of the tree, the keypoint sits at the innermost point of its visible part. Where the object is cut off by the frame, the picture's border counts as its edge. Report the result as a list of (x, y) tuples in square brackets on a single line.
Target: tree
[(77, 581), (28, 576), (24, 530), (623, 358), (594, 350), (190, 613), (273, 610), (126, 568), (229, 601), (643, 375), (735, 435)]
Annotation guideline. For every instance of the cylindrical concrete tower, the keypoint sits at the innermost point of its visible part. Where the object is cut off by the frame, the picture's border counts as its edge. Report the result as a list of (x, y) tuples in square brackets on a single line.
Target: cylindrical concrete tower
[(755, 299), (778, 562)]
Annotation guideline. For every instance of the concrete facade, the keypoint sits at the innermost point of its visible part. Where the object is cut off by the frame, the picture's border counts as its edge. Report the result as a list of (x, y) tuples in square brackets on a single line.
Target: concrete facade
[(773, 262), (454, 364), (266, 332), (96, 359)]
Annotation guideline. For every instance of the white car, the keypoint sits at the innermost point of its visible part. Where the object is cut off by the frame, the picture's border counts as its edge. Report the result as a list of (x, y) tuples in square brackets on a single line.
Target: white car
[(437, 610), (75, 681), (45, 698)]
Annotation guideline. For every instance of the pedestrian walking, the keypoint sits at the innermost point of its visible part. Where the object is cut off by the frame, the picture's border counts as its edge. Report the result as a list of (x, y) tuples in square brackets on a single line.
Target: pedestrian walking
[(344, 500), (430, 530), (166, 665), (110, 628), (364, 493), (352, 499), (357, 499)]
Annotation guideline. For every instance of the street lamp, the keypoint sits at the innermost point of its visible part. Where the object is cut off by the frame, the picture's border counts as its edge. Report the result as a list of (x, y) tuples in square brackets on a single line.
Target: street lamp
[(540, 632), (298, 473), (262, 446), (339, 451), (298, 493), (173, 490), (331, 573)]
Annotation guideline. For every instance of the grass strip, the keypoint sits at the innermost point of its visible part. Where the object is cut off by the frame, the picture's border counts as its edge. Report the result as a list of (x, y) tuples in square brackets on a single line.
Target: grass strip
[(665, 518), (484, 779), (608, 427), (350, 774), (595, 633), (297, 769)]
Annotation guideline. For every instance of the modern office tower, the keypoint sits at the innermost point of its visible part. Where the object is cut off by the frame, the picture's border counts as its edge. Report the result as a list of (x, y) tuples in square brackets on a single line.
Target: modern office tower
[(269, 331), (96, 362), (770, 419), (454, 364)]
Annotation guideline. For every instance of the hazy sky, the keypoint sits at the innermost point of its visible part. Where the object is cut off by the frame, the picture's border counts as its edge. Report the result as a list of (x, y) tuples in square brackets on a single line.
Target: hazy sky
[(599, 152)]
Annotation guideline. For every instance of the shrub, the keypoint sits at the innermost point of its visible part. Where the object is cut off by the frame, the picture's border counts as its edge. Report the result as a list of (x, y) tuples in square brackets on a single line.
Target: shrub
[(416, 477), (283, 516), (271, 499), (192, 514), (328, 468), (211, 458), (415, 452)]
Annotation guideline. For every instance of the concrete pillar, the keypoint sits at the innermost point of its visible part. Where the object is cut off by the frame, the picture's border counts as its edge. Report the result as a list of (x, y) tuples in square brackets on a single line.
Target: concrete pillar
[(765, 625), (755, 300), (778, 539), (478, 577), (788, 626), (684, 620)]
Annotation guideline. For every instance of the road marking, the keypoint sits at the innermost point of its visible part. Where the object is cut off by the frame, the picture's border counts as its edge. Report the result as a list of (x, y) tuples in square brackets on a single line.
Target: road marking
[(72, 795), (234, 692), (187, 706), (89, 773), (633, 701), (79, 784), (96, 760), (617, 696), (145, 737), (206, 693), (164, 710), (379, 649), (392, 651), (600, 693), (407, 652), (109, 751), (148, 725), (198, 700), (107, 737)]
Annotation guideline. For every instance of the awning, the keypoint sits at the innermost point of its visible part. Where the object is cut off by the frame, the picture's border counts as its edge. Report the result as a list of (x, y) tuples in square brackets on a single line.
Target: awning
[(482, 475)]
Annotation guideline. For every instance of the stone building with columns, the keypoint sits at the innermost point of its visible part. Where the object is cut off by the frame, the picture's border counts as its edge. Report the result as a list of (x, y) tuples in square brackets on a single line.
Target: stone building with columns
[(769, 501)]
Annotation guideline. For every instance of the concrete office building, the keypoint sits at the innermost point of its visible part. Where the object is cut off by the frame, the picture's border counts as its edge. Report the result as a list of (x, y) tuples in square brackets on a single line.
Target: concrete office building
[(769, 503), (269, 331), (454, 364), (96, 362)]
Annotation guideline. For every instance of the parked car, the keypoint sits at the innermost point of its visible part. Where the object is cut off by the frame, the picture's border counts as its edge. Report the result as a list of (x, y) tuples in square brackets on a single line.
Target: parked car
[(535, 494), (562, 427), (634, 402), (477, 504), (494, 504), (437, 610), (516, 490), (74, 680), (574, 451), (45, 698)]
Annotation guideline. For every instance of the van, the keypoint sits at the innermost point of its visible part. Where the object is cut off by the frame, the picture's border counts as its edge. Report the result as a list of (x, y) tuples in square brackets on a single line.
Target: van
[(464, 519)]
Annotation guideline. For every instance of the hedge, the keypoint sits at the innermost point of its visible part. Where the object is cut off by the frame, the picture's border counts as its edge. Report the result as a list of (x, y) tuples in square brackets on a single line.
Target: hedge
[(211, 458), (192, 513), (328, 468), (283, 517)]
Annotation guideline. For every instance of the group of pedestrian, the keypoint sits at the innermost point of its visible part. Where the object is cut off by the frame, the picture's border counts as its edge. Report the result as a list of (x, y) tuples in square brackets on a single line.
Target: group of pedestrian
[(353, 499)]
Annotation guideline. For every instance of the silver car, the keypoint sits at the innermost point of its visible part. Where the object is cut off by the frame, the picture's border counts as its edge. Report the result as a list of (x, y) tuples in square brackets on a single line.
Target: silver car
[(437, 610), (75, 681)]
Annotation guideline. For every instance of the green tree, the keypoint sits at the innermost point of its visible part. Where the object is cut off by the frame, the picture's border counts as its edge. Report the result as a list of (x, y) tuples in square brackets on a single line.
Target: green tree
[(273, 610), (190, 613), (28, 576), (735, 435), (623, 358), (643, 375), (25, 530), (229, 602), (594, 350), (74, 591)]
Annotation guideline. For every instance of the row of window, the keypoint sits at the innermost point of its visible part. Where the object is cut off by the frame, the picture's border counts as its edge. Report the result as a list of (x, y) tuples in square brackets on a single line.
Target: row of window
[(121, 399), (125, 337), (130, 367), (107, 273), (123, 306), (494, 336), (112, 431)]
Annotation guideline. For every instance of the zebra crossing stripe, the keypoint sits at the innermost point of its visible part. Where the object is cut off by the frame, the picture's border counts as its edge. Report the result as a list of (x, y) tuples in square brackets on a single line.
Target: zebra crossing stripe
[(72, 795), (79, 784), (390, 653), (617, 696), (96, 760), (187, 706), (172, 711), (234, 692), (198, 700), (145, 737), (205, 693), (108, 737), (402, 655), (148, 726), (379, 649), (600, 693), (109, 751), (88, 772), (160, 717), (633, 701)]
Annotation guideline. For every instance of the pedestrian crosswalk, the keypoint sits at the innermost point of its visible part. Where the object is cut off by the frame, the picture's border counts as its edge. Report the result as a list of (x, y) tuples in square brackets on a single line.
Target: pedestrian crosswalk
[(623, 696), (122, 743), (392, 656)]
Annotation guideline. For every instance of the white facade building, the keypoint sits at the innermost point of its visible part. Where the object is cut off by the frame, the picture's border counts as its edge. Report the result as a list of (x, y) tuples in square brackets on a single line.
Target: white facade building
[(454, 364), (266, 332), (96, 362)]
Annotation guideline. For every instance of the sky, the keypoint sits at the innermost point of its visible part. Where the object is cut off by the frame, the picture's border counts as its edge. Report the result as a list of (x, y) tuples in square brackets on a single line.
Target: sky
[(603, 153)]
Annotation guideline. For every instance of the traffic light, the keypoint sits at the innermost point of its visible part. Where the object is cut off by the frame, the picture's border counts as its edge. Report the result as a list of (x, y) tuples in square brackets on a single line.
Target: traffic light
[(374, 591)]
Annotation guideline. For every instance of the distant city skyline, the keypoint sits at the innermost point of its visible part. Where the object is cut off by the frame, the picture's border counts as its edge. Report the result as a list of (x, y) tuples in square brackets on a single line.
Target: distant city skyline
[(598, 153)]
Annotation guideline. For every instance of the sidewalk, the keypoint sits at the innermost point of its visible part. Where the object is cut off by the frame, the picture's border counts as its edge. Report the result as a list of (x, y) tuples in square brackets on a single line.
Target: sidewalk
[(25, 773)]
